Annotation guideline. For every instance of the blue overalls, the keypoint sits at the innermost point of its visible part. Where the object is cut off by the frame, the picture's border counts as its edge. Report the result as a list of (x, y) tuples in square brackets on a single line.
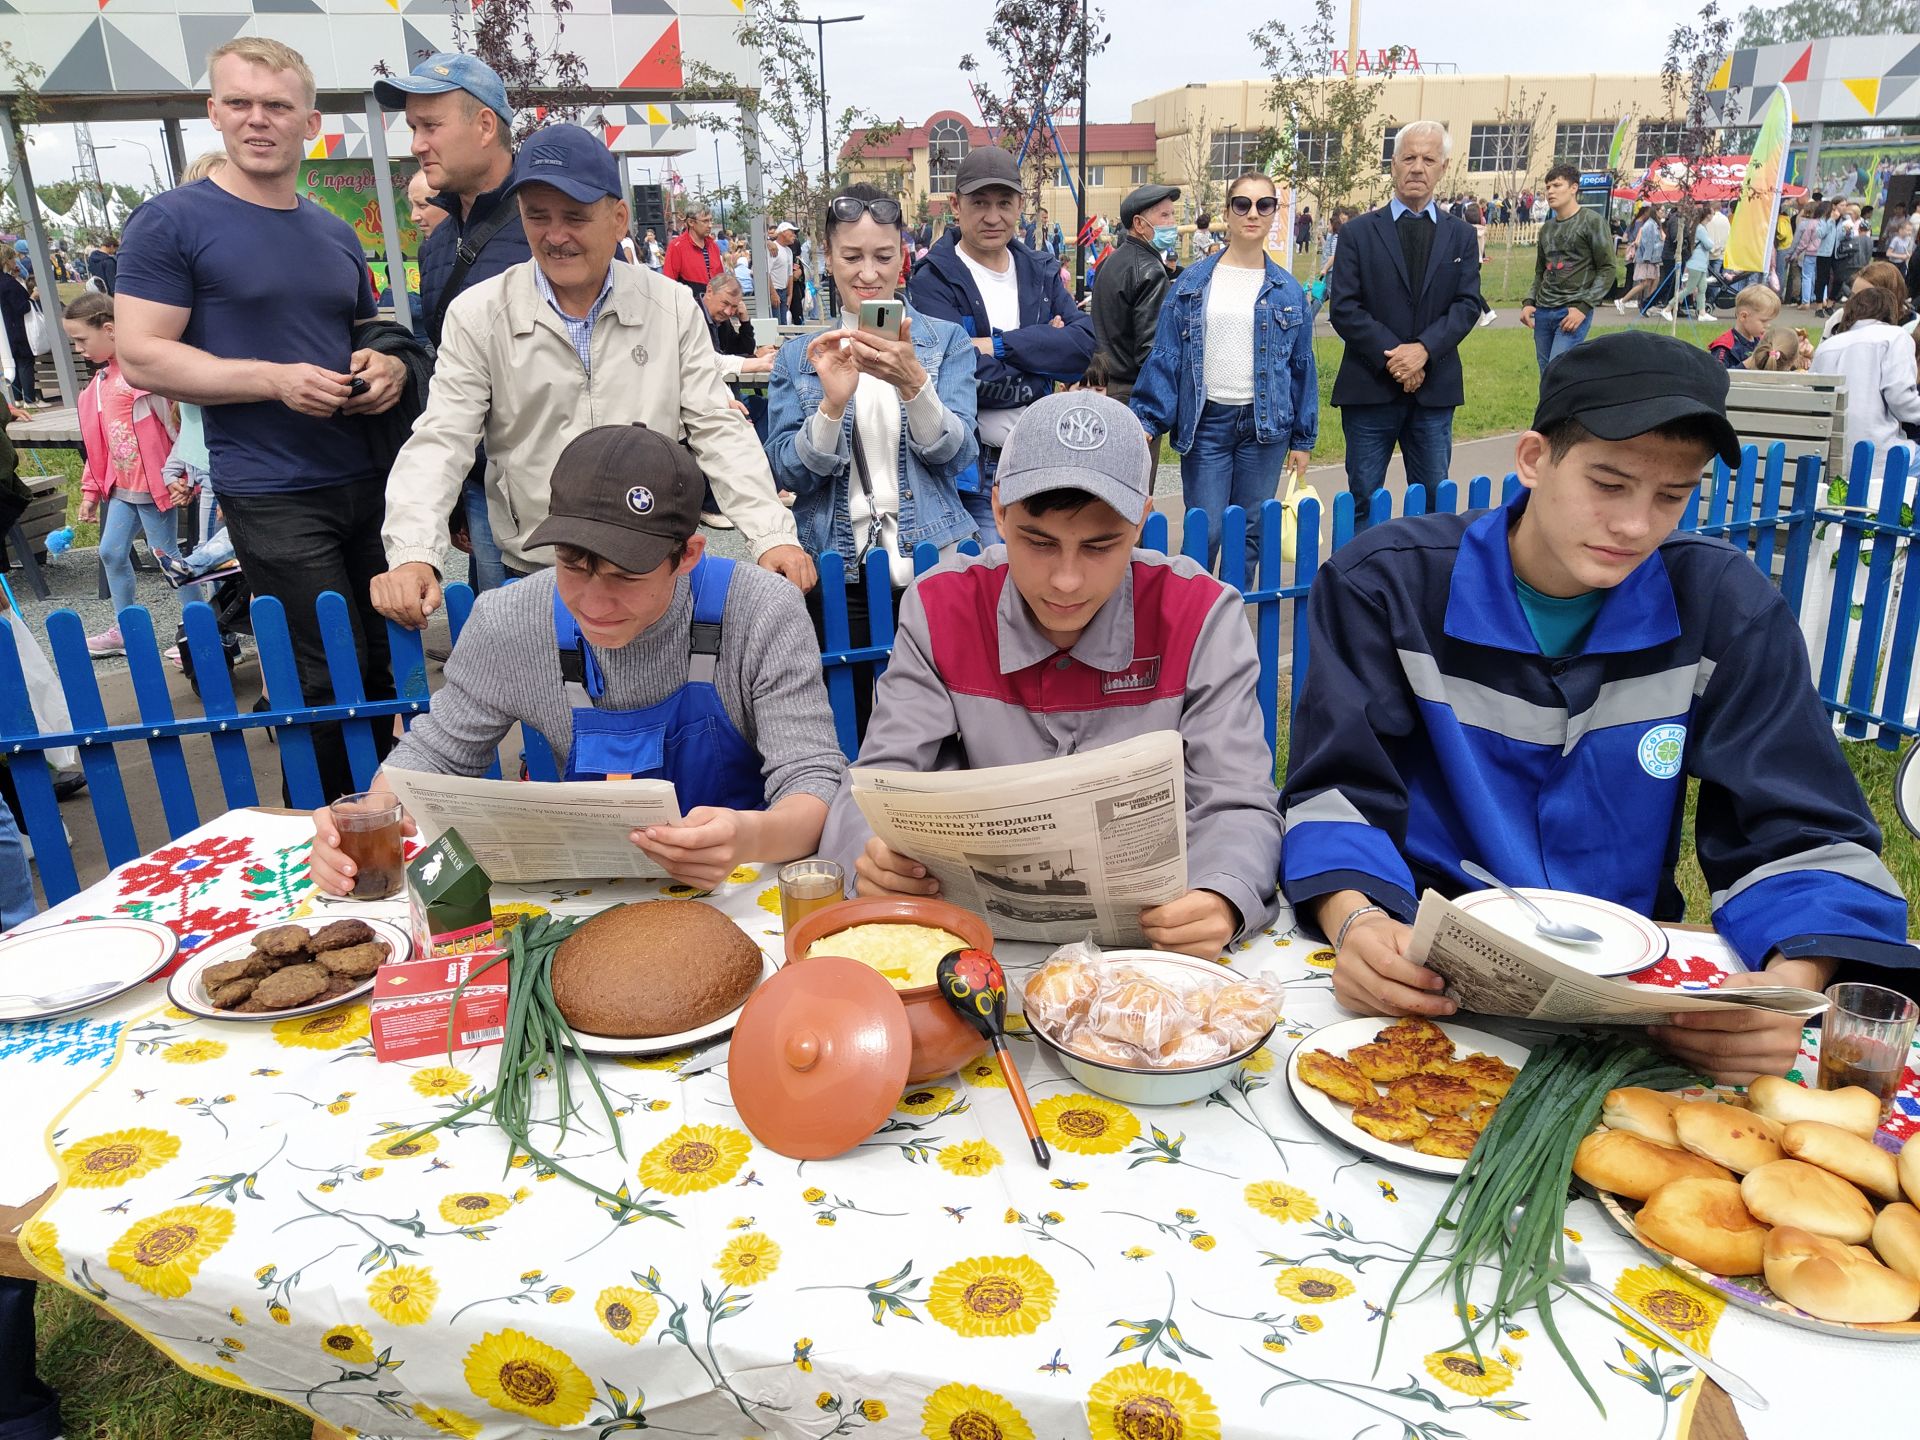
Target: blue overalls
[(687, 738)]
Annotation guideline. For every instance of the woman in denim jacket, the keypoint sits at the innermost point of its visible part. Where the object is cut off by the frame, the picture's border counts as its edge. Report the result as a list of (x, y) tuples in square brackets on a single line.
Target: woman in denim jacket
[(1231, 376), (911, 399)]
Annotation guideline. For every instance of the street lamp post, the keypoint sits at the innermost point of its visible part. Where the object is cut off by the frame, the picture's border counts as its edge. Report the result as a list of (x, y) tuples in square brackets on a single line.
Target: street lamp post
[(820, 24)]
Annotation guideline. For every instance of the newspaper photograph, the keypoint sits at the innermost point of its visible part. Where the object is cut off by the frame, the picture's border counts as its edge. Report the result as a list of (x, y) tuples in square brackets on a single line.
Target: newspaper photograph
[(538, 830), (1492, 973), (1049, 850)]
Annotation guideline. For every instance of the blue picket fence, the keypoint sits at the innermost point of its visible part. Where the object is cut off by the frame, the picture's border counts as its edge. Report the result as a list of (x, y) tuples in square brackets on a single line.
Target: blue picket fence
[(1749, 507)]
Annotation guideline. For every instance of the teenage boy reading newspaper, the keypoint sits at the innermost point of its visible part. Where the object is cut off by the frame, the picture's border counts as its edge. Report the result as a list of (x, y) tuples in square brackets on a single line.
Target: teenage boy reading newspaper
[(1067, 638), (1530, 687)]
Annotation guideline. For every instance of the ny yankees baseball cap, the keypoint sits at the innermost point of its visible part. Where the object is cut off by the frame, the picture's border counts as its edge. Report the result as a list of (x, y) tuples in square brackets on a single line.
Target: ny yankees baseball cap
[(437, 74), (625, 493), (1078, 440)]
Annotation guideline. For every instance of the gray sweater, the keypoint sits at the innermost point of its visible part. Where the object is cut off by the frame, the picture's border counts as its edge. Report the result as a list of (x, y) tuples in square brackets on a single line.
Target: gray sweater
[(506, 668)]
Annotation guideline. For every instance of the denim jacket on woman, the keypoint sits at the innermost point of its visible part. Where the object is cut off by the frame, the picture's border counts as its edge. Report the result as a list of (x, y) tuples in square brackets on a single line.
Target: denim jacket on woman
[(930, 507), (1172, 388)]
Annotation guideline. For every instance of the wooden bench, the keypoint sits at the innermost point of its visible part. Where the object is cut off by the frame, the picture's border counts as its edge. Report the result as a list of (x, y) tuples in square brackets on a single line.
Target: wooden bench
[(1807, 413), (46, 513)]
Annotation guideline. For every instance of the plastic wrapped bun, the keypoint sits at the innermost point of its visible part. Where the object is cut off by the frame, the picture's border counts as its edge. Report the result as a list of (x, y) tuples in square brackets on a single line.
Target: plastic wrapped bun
[(1060, 993), (1244, 1011), (1205, 1046), (1092, 1045), (1139, 1012)]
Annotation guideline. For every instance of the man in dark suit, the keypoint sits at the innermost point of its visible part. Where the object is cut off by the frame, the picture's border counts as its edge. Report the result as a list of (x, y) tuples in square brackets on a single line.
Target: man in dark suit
[(1403, 294)]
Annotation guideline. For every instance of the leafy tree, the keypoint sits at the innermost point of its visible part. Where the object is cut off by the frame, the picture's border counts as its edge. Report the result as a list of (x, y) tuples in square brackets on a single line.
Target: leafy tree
[(544, 82), (1815, 19), (1326, 132), (1038, 43), (1195, 159), (22, 79)]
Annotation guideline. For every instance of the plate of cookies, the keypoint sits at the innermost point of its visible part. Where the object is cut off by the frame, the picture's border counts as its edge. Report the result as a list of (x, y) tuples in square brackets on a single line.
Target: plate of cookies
[(1779, 1200), (1411, 1091), (295, 968)]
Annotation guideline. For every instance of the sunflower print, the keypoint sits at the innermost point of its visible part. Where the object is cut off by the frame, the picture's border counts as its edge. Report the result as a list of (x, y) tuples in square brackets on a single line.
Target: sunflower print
[(1140, 1402), (966, 1412), (626, 1313), (1086, 1124), (969, 1157), (983, 1075), (1312, 1285), (992, 1295), (872, 1411), (1258, 1063), (447, 1422), (101, 1161), (695, 1157), (505, 917), (439, 1080), (925, 1100), (1684, 1309), (349, 1344), (1458, 1370), (403, 1146), (1321, 959), (193, 1052), (513, 1371), (769, 900), (333, 1030), (672, 1060), (403, 1295), (470, 1207), (41, 1242), (1280, 1201), (748, 1259), (162, 1253)]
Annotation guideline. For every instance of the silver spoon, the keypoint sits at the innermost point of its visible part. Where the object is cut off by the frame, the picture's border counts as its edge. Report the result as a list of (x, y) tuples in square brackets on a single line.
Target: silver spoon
[(1553, 929), (66, 997)]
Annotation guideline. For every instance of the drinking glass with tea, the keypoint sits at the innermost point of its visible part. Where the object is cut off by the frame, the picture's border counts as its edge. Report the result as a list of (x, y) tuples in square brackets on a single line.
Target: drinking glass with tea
[(807, 886), (1865, 1039), (369, 828)]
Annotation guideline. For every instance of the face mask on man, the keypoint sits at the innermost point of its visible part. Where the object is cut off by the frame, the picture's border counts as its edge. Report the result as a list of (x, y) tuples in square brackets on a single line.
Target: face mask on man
[(1165, 237)]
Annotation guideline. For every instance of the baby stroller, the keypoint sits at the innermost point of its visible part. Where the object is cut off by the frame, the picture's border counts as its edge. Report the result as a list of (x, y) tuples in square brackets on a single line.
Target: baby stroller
[(232, 600)]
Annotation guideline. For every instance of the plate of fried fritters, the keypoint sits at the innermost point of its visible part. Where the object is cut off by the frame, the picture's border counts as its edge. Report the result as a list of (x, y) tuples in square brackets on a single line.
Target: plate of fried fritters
[(1413, 1091), (294, 968)]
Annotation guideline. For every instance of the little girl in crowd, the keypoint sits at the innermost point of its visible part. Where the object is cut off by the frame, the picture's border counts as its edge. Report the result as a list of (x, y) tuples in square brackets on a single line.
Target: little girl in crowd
[(1782, 348), (128, 434)]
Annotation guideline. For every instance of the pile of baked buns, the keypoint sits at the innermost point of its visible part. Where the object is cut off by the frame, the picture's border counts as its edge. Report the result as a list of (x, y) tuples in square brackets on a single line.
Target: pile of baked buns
[(657, 967), (1436, 1100), (1167, 1017), (1788, 1185), (290, 966)]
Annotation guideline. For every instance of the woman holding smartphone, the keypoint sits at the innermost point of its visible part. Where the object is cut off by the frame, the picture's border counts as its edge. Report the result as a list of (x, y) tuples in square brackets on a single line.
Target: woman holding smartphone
[(1231, 377)]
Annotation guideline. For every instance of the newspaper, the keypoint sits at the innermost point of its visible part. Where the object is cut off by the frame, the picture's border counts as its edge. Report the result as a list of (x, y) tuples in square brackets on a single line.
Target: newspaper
[(534, 830), (1492, 973), (1049, 850)]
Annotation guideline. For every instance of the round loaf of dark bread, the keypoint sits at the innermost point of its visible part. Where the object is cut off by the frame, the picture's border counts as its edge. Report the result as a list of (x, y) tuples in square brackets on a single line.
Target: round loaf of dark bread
[(655, 968)]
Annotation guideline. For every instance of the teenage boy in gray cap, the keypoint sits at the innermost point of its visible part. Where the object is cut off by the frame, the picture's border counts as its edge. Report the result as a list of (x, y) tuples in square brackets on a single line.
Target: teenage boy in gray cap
[(637, 655), (1132, 282), (1067, 638), (1531, 687)]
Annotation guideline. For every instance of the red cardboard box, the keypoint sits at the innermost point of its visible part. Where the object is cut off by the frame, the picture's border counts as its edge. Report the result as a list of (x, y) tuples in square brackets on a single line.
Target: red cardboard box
[(411, 1002)]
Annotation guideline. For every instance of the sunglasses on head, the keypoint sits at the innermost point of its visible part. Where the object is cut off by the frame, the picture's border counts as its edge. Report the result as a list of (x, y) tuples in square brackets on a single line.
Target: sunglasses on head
[(1243, 204), (849, 208)]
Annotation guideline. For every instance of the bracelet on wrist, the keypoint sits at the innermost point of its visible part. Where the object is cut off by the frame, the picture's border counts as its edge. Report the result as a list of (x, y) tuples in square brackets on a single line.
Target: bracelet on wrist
[(1340, 937)]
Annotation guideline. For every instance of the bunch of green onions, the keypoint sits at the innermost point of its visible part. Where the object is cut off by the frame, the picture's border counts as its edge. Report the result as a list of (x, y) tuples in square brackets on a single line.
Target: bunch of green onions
[(1525, 1158), (538, 1041)]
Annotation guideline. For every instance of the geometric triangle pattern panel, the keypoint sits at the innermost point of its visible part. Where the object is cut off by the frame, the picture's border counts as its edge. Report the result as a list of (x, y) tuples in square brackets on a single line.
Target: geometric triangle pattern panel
[(1840, 79)]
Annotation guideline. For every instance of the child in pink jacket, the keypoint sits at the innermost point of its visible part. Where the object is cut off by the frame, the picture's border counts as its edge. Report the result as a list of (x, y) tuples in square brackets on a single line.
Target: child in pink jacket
[(128, 435)]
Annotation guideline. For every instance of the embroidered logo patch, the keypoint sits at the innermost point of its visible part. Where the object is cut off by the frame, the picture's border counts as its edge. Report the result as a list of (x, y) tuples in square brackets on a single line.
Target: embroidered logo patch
[(1661, 750), (640, 500), (1081, 428), (1141, 675)]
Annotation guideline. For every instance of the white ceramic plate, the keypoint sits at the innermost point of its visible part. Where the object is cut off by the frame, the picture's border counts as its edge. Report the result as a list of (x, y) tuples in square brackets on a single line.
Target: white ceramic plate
[(665, 1044), (118, 951), (1632, 941), (1336, 1119), (188, 992)]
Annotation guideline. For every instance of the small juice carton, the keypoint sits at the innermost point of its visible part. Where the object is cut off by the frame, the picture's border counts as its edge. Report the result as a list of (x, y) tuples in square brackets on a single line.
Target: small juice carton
[(450, 910)]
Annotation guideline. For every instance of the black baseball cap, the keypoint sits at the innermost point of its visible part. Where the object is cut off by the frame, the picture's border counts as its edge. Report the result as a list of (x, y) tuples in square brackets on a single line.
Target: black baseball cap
[(985, 167), (1632, 381), (625, 493), (1144, 198)]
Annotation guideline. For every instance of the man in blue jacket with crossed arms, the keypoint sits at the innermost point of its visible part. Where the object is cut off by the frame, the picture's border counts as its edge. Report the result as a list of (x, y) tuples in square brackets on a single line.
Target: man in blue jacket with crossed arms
[(1530, 687)]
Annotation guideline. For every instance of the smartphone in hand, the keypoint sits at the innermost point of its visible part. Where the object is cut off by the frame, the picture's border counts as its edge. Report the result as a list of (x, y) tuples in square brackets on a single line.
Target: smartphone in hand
[(882, 317), (358, 385)]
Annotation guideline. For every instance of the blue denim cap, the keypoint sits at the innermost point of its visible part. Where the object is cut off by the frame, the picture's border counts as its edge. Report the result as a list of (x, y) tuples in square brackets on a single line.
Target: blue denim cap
[(570, 159), (437, 74), (1078, 440)]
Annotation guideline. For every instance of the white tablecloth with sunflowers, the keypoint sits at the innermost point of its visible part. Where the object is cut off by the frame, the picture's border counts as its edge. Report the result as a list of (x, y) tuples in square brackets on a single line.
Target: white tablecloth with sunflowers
[(236, 1193)]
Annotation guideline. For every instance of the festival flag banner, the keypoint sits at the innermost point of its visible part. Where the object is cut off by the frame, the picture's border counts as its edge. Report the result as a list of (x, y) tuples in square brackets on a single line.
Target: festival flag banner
[(346, 188), (1617, 150), (1750, 244)]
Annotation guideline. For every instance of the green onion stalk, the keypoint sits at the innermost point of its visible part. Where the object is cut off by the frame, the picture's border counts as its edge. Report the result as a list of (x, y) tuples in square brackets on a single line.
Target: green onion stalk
[(537, 1038), (1525, 1158)]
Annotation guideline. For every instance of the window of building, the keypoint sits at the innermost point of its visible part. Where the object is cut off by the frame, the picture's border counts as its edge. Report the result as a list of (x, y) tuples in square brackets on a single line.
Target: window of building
[(1386, 147), (1583, 143), (1318, 149), (1657, 138), (1096, 176), (1138, 175), (1233, 151), (1499, 149), (946, 148)]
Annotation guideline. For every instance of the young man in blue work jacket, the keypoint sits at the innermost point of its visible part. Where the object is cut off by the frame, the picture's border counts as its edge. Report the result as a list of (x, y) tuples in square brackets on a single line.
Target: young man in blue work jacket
[(1530, 687)]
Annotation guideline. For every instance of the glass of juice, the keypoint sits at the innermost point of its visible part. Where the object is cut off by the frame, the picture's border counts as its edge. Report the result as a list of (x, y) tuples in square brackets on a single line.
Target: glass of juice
[(807, 886), (369, 826), (1865, 1039)]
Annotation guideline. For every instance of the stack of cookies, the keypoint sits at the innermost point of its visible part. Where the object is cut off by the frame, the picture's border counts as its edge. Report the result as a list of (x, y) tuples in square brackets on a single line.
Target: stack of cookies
[(290, 966)]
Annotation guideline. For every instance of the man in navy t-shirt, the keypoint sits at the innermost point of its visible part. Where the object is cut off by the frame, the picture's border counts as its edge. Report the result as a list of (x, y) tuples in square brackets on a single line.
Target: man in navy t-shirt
[(238, 295)]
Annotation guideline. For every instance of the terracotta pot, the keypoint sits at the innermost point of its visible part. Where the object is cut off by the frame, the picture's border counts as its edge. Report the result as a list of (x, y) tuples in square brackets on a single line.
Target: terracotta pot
[(942, 1041)]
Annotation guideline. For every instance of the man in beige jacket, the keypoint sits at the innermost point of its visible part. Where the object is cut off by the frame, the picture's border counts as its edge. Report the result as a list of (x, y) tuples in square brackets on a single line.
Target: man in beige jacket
[(550, 349)]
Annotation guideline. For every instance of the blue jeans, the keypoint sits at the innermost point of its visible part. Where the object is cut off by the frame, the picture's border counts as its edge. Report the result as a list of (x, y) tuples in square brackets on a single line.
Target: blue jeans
[(1226, 465), (485, 569), (1809, 263), (1423, 433), (116, 544), (16, 883), (979, 505), (1549, 340)]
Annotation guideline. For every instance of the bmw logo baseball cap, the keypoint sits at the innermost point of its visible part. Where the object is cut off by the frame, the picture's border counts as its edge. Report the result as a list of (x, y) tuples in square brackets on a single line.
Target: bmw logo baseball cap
[(1078, 440), (625, 493)]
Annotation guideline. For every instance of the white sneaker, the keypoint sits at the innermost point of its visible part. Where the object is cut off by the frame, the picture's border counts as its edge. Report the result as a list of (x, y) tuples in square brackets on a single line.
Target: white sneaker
[(1621, 306), (1489, 317), (172, 654), (716, 520), (1708, 315), (1666, 315)]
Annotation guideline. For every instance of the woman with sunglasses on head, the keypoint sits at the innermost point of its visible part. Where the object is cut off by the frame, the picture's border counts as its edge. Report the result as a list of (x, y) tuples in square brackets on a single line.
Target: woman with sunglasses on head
[(1231, 376)]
